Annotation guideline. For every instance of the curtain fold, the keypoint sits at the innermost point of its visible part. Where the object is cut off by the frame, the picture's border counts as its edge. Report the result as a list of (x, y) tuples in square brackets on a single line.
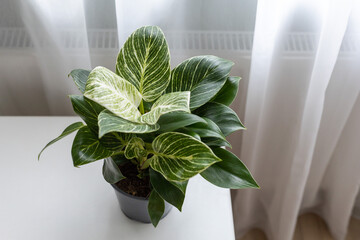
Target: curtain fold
[(47, 40), (291, 146), (46, 23), (299, 91)]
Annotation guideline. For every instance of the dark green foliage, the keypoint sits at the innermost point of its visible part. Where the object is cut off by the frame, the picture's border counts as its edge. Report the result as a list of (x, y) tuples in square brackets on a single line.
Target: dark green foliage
[(169, 123)]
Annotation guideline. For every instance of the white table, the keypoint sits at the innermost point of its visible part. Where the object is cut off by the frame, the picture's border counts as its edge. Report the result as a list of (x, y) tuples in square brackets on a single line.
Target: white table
[(51, 199)]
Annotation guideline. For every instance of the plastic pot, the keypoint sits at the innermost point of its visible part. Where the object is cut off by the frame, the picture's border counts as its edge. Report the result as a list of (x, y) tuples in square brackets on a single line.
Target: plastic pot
[(135, 207)]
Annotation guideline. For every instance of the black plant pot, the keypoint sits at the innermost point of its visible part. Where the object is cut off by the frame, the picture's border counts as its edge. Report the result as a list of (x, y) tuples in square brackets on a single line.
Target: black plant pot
[(135, 207)]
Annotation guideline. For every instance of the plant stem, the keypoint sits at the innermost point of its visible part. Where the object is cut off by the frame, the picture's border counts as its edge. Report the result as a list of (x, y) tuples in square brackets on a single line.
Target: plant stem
[(151, 151), (120, 152), (141, 107), (145, 164)]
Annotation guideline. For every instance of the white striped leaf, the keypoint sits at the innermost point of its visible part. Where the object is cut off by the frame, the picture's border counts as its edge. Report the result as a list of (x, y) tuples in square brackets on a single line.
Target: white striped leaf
[(171, 102), (135, 148), (115, 141), (144, 61), (88, 148), (204, 76), (178, 156), (70, 129), (108, 122), (114, 93), (89, 110)]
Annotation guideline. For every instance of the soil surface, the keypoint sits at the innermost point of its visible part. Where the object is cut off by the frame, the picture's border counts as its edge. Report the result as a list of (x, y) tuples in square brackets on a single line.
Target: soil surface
[(132, 184)]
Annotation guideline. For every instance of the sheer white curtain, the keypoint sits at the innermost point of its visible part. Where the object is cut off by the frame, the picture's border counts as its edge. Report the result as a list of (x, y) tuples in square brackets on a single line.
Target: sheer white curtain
[(46, 22), (34, 78), (302, 141), (42, 41), (299, 83)]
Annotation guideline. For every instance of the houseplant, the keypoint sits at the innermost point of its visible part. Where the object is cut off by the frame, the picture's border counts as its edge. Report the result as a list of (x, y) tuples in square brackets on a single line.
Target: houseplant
[(155, 127)]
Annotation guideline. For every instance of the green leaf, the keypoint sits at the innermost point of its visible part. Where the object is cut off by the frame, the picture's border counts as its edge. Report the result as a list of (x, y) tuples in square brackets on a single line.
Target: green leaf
[(88, 110), (144, 61), (172, 121), (222, 115), (114, 93), (181, 185), (115, 141), (108, 122), (147, 106), (171, 102), (111, 171), (208, 129), (80, 77), (204, 76), (120, 159), (228, 92), (88, 148), (149, 137), (189, 132), (169, 192), (156, 207), (230, 172), (70, 129), (135, 148), (178, 156), (215, 142)]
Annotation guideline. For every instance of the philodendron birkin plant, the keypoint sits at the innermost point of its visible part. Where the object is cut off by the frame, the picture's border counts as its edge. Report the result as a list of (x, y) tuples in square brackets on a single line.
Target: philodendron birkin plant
[(165, 125)]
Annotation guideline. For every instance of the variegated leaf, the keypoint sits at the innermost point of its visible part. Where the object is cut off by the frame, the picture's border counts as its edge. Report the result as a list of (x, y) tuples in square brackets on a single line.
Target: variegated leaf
[(114, 93), (135, 148), (115, 141), (88, 148), (204, 76), (144, 61), (108, 122), (178, 156), (171, 102), (89, 110)]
